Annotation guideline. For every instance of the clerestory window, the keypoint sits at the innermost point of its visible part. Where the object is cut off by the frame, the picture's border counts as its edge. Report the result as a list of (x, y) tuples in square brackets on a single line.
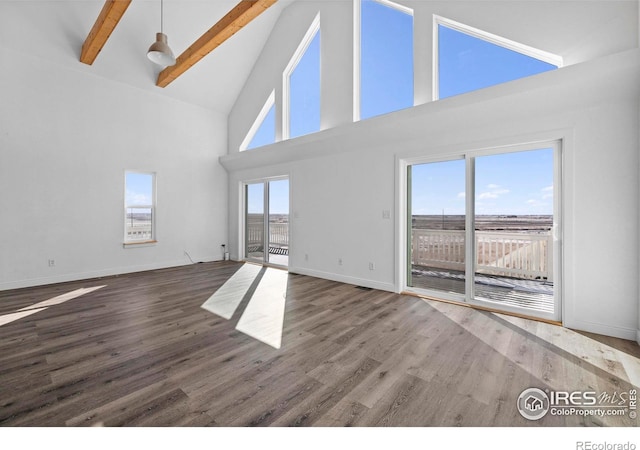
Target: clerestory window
[(467, 59), (301, 87), (263, 130), (386, 58)]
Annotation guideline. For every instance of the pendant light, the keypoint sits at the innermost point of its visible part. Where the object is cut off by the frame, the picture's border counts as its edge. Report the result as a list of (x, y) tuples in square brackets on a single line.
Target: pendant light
[(159, 52)]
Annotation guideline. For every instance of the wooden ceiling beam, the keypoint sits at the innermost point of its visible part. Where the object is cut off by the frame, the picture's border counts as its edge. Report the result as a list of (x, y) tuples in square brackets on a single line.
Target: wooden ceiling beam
[(111, 13), (243, 13)]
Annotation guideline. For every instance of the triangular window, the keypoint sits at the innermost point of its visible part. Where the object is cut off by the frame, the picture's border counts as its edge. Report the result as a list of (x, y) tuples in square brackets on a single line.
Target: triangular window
[(263, 130), (469, 59), (302, 87)]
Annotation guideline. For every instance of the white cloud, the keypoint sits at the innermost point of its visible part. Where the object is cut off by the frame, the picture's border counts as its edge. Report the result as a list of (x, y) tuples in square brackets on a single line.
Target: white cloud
[(461, 195), (494, 192), (136, 198), (547, 192), (493, 186)]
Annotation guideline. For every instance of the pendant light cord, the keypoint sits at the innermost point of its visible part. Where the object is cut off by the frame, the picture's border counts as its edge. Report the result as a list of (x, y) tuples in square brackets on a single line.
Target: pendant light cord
[(161, 16)]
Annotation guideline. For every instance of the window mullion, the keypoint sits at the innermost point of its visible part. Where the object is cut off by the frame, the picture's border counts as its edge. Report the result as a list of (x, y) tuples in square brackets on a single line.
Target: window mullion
[(470, 233), (265, 253)]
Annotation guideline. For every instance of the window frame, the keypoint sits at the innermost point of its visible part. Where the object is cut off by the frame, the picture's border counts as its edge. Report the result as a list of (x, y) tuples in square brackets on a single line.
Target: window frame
[(153, 239), (271, 101), (523, 49), (242, 235), (559, 142), (311, 33)]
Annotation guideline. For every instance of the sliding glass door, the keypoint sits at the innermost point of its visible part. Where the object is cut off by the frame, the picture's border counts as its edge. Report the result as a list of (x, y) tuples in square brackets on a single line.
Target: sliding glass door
[(278, 227), (514, 222), (254, 221), (437, 227), (483, 229), (266, 222)]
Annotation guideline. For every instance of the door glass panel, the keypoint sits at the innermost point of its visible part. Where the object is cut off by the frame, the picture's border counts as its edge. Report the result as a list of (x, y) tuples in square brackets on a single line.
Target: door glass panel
[(514, 217), (279, 222), (437, 234), (254, 233)]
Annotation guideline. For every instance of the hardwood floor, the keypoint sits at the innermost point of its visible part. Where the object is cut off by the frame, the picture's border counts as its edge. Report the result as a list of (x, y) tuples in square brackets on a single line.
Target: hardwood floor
[(141, 351)]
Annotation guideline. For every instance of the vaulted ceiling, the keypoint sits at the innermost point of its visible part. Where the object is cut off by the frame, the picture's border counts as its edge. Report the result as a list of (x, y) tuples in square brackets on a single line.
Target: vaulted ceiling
[(56, 30)]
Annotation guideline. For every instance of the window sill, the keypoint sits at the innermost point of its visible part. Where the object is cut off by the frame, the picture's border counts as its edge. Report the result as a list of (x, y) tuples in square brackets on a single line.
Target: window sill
[(137, 244)]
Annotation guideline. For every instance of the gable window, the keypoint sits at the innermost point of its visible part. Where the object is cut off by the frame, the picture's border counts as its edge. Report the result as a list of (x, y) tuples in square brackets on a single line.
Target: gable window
[(139, 205), (468, 59), (301, 89), (386, 58), (263, 130)]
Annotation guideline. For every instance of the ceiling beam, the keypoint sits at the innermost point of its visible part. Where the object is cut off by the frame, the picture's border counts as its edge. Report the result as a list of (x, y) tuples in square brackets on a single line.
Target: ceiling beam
[(111, 13), (243, 13)]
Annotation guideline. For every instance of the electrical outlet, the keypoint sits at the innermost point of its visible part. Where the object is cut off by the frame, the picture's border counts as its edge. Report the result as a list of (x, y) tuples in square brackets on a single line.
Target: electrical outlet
[(339, 261), (372, 266), (386, 214), (51, 262)]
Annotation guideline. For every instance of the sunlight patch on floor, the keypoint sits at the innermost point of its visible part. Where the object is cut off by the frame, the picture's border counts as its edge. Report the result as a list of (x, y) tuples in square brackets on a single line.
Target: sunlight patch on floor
[(12, 317), (263, 318), (62, 298), (597, 354), (41, 306), (226, 299)]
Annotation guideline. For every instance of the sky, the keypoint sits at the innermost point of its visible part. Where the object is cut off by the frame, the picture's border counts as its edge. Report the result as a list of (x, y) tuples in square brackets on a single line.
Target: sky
[(266, 134), (278, 197), (304, 88), (505, 185), (519, 183), (139, 189), (467, 63), (386, 56)]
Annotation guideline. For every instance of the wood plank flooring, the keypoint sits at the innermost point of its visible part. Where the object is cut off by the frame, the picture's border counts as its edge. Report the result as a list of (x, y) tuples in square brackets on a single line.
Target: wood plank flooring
[(141, 351)]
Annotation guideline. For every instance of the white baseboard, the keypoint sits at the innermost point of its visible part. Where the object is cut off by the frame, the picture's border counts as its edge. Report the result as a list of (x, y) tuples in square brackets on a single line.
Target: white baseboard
[(344, 279), (78, 276), (629, 334)]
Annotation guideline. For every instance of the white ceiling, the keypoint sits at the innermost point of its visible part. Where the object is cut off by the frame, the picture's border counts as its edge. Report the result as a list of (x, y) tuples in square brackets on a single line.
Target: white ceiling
[(56, 29)]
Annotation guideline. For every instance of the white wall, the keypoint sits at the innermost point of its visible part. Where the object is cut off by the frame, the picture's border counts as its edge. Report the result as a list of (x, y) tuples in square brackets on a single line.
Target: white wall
[(343, 178), (66, 139)]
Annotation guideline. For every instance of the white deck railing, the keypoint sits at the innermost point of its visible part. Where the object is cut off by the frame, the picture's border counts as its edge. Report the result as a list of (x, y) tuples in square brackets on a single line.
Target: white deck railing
[(138, 231), (278, 234), (520, 255)]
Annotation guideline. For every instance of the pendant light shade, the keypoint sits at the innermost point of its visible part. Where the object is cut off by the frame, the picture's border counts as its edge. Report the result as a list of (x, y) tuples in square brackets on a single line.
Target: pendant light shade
[(159, 52)]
